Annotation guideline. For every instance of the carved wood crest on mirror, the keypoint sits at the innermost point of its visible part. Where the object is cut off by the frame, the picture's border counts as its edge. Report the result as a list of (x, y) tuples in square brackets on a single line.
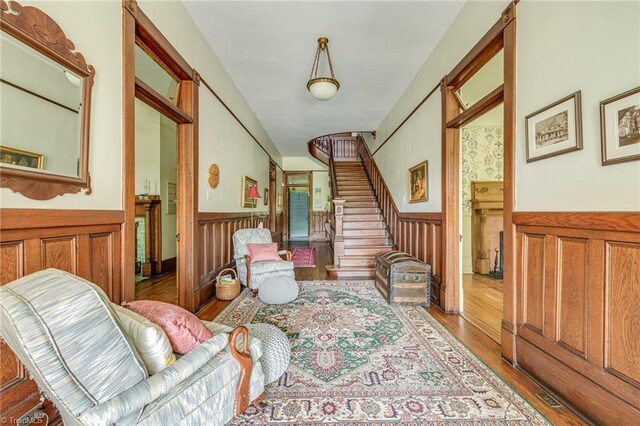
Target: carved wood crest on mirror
[(45, 105)]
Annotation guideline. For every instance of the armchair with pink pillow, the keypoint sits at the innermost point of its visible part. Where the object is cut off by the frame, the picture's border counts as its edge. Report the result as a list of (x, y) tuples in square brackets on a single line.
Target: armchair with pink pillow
[(258, 259)]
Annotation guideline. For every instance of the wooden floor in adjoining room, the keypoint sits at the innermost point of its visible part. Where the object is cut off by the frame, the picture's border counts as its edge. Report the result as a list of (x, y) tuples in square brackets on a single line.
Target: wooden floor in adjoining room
[(482, 303), (476, 340), (162, 288)]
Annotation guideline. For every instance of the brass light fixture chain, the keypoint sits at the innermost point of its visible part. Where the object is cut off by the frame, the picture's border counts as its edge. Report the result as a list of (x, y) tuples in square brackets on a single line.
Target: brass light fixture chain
[(330, 64), (316, 62)]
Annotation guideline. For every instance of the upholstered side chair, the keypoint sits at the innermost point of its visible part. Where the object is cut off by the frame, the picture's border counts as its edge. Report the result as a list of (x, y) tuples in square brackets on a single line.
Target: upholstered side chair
[(254, 274), (76, 347)]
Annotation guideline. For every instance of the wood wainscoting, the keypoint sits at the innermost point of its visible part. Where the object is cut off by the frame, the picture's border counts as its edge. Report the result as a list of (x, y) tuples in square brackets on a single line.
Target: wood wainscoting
[(578, 281), (317, 231), (419, 234), (83, 242), (215, 231)]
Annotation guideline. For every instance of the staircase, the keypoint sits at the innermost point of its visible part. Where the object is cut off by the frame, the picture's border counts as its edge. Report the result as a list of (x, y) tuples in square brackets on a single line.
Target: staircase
[(364, 232)]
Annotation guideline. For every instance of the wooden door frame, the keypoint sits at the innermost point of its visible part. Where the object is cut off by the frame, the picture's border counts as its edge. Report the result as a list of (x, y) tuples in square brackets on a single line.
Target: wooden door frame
[(138, 28), (285, 202), (501, 36), (273, 190)]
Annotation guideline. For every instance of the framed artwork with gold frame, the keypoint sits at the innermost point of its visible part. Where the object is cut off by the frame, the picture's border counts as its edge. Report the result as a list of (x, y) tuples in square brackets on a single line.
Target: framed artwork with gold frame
[(418, 183), (18, 157), (246, 183)]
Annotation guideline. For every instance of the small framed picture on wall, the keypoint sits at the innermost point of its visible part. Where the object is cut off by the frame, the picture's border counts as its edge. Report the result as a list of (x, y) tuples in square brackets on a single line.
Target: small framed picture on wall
[(247, 184), (418, 183), (555, 129), (620, 127)]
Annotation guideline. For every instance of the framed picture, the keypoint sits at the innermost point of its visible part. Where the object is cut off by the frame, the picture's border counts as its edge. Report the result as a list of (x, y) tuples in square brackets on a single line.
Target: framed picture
[(246, 183), (18, 157), (555, 129), (620, 127), (265, 197), (418, 183)]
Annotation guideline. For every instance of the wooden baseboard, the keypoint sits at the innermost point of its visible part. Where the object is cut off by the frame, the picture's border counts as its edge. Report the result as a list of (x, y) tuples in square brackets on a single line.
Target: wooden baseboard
[(207, 290), (168, 265), (596, 402)]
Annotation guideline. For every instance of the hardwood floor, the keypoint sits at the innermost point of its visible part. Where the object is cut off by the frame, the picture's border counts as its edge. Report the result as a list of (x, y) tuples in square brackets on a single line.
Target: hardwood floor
[(324, 257), (162, 288), (483, 303), (489, 352), (475, 339)]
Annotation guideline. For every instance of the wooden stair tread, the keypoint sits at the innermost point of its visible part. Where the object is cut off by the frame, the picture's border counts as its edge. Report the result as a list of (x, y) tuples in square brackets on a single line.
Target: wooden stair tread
[(364, 228)]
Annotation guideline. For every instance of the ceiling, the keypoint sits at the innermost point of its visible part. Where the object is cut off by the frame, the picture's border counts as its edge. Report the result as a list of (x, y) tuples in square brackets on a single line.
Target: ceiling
[(267, 47)]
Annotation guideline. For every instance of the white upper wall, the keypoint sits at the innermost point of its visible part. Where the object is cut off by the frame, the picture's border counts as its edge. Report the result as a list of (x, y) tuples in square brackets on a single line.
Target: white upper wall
[(302, 164), (96, 29), (222, 140), (564, 47), (420, 138), (175, 23)]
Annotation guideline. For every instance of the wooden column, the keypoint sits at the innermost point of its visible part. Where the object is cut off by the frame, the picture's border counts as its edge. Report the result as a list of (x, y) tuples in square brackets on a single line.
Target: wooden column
[(338, 241)]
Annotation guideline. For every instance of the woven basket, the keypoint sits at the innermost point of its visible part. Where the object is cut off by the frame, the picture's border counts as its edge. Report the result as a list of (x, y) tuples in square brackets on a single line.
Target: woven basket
[(227, 291)]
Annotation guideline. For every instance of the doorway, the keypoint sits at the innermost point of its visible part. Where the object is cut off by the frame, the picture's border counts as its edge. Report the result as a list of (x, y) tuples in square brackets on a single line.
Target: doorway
[(298, 205), (298, 214), (482, 222), (498, 46), (155, 74), (481, 208), (155, 214)]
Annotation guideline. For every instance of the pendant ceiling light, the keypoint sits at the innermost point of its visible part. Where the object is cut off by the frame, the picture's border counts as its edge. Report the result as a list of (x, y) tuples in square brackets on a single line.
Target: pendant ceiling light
[(322, 88)]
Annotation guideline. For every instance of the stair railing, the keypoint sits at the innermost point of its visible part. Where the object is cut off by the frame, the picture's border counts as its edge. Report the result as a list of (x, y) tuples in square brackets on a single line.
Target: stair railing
[(320, 148), (383, 195), (337, 211), (328, 148)]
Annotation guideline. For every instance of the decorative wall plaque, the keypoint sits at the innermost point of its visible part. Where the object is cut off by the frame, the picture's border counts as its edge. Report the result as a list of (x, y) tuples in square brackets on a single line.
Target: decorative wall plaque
[(214, 176)]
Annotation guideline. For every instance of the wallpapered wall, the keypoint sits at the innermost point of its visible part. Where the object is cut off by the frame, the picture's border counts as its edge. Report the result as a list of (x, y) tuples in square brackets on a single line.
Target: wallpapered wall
[(482, 158)]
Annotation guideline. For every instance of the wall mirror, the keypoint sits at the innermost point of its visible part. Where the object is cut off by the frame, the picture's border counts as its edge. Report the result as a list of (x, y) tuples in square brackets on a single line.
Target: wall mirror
[(45, 100)]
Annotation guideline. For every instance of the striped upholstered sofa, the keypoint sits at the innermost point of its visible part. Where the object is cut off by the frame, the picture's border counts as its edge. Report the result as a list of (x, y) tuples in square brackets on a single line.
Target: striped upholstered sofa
[(72, 341)]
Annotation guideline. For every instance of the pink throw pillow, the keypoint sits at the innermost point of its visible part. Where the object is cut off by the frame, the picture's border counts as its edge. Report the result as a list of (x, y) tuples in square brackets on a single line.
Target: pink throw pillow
[(262, 252), (185, 330)]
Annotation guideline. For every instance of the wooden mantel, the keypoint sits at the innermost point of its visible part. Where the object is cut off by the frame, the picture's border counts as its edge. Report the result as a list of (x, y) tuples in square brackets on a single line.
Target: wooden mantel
[(486, 201)]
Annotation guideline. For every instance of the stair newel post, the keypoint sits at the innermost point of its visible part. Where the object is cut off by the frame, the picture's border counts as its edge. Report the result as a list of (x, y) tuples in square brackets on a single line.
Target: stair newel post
[(338, 241)]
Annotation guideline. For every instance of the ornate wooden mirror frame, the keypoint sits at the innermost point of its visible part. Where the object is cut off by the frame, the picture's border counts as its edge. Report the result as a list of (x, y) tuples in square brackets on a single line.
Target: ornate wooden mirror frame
[(39, 31)]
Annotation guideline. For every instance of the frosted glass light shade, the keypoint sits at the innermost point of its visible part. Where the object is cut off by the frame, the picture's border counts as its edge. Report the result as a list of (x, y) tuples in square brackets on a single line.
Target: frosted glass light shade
[(323, 89)]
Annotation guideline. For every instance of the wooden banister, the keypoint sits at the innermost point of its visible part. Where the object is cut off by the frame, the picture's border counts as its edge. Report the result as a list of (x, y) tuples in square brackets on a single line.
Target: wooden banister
[(332, 175), (319, 148), (382, 193)]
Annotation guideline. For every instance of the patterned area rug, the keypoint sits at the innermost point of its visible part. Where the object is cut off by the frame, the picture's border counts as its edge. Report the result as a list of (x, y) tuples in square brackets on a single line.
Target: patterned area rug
[(304, 257), (356, 360)]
